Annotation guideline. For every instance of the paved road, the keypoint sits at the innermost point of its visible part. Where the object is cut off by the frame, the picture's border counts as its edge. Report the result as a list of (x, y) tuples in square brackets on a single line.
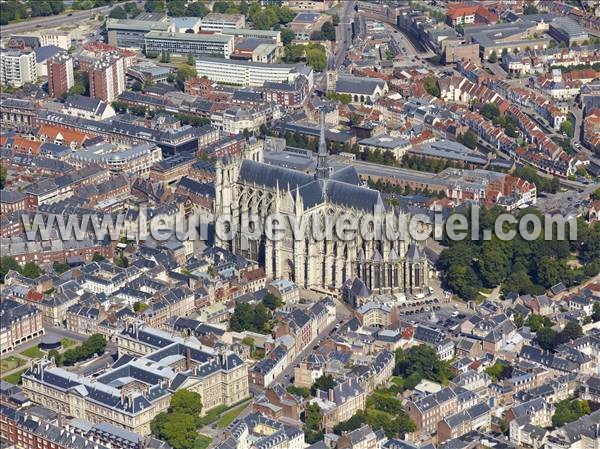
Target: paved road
[(42, 23), (342, 313), (285, 377), (345, 33)]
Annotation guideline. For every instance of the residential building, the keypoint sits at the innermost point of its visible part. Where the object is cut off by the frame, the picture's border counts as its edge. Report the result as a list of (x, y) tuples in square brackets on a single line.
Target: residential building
[(107, 77), (136, 160), (257, 431), (341, 402), (60, 74), (19, 323), (429, 410), (17, 67), (60, 39)]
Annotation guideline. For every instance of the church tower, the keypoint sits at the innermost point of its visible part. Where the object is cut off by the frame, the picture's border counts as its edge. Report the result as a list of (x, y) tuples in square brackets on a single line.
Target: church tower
[(323, 169)]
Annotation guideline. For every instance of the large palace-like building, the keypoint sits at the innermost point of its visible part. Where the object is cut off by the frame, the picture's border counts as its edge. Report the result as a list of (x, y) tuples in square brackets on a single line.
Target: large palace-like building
[(153, 364), (246, 186)]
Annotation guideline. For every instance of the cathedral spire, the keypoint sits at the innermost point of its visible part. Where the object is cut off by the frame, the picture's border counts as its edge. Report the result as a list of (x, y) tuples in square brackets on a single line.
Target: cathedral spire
[(322, 157)]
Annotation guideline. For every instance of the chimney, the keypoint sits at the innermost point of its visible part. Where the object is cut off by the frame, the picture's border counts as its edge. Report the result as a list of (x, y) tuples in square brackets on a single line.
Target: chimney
[(331, 396), (188, 358)]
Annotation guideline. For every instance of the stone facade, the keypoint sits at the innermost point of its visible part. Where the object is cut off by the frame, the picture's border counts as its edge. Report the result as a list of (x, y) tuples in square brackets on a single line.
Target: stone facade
[(247, 187)]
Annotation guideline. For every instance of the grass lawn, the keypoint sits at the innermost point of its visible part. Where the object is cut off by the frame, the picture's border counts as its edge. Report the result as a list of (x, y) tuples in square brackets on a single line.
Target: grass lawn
[(202, 442), (228, 417), (67, 343), (34, 353), (14, 378), (10, 363)]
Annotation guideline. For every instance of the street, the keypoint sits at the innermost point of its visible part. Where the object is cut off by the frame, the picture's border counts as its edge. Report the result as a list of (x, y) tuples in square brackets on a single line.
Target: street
[(344, 33), (52, 21)]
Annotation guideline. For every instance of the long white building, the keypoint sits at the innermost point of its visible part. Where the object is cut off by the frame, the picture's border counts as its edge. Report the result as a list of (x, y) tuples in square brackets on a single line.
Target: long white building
[(17, 67), (254, 74), (185, 43)]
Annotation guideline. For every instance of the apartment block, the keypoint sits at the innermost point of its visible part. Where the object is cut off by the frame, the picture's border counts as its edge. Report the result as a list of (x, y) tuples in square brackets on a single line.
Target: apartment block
[(18, 323), (107, 78), (17, 68), (60, 74)]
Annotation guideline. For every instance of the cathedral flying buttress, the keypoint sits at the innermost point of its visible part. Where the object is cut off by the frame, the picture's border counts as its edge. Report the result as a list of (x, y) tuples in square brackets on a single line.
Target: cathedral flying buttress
[(249, 191)]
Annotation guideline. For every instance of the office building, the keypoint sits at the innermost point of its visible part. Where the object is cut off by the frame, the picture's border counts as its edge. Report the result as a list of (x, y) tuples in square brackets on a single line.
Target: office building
[(219, 22), (185, 43), (565, 29), (17, 67), (129, 33), (246, 73), (243, 33), (60, 74)]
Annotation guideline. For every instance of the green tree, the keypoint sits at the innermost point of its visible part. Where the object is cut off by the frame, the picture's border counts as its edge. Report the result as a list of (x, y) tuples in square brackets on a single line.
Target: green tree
[(197, 9), (7, 264), (537, 322), (60, 267), (316, 57), (97, 257), (546, 338), (158, 6), (293, 53), (137, 86), (177, 429), (571, 331), (249, 341), (184, 72), (188, 402), (596, 312), (271, 301), (31, 270), (298, 391), (328, 31), (287, 36), (3, 175), (132, 9), (530, 8), (423, 361), (220, 7), (121, 262), (493, 58), (431, 86), (567, 128), (569, 410), (117, 13), (499, 371), (470, 139), (313, 424), (324, 383), (56, 355), (191, 61), (176, 8), (261, 317)]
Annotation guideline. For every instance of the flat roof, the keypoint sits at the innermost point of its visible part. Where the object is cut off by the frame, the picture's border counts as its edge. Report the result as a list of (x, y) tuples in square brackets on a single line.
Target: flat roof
[(219, 38)]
